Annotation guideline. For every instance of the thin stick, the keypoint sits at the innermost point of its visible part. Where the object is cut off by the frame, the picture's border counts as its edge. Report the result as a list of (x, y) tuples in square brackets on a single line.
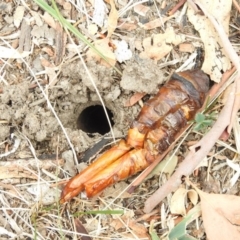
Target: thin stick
[(177, 6), (235, 3)]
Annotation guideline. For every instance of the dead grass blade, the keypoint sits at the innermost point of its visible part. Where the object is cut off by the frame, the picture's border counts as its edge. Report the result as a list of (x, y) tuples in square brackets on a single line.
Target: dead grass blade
[(236, 5)]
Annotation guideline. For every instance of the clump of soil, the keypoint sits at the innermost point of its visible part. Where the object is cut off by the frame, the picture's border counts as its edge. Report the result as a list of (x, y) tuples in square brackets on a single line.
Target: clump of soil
[(142, 76)]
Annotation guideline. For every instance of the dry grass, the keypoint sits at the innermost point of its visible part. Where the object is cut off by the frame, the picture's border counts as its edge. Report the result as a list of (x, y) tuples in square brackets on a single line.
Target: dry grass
[(30, 187)]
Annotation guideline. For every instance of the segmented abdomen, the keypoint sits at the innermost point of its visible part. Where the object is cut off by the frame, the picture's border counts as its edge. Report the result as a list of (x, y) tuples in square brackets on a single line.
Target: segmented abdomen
[(162, 117)]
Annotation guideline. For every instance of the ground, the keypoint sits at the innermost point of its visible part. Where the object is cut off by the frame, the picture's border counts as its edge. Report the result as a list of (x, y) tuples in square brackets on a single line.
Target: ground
[(48, 136)]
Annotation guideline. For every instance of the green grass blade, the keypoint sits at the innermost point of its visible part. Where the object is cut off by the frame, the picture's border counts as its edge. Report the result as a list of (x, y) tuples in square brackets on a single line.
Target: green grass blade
[(153, 233), (56, 14), (180, 230)]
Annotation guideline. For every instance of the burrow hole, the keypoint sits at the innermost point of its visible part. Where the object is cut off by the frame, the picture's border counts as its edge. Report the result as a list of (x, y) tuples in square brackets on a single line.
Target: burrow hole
[(93, 120)]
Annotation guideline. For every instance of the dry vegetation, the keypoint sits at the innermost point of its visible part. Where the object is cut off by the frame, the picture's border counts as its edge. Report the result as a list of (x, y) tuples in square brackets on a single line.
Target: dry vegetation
[(48, 76)]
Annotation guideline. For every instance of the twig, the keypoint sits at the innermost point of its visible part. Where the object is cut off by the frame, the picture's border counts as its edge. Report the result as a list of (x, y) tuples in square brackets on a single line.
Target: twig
[(147, 216), (16, 144), (195, 156), (214, 91), (235, 3), (177, 6)]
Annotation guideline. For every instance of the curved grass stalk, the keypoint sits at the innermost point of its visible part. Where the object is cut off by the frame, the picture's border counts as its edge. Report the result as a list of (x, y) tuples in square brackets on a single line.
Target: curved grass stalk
[(54, 12)]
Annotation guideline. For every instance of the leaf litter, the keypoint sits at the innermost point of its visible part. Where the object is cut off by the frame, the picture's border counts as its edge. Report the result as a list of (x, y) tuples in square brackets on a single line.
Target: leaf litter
[(148, 42), (215, 60)]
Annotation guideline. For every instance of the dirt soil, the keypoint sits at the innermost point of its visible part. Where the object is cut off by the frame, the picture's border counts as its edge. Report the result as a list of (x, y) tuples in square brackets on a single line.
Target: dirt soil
[(42, 157)]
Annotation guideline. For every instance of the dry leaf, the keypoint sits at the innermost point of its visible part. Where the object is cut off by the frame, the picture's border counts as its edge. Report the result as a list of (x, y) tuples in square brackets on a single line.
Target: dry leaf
[(153, 24), (129, 26), (178, 200), (48, 50), (92, 224), (116, 224), (156, 23), (168, 166), (186, 47), (37, 18), (139, 229), (141, 9), (52, 75), (116, 189), (81, 229), (134, 99), (18, 15), (221, 215), (160, 45), (102, 46), (6, 167), (215, 59), (138, 45), (46, 63), (112, 19), (67, 6), (49, 20)]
